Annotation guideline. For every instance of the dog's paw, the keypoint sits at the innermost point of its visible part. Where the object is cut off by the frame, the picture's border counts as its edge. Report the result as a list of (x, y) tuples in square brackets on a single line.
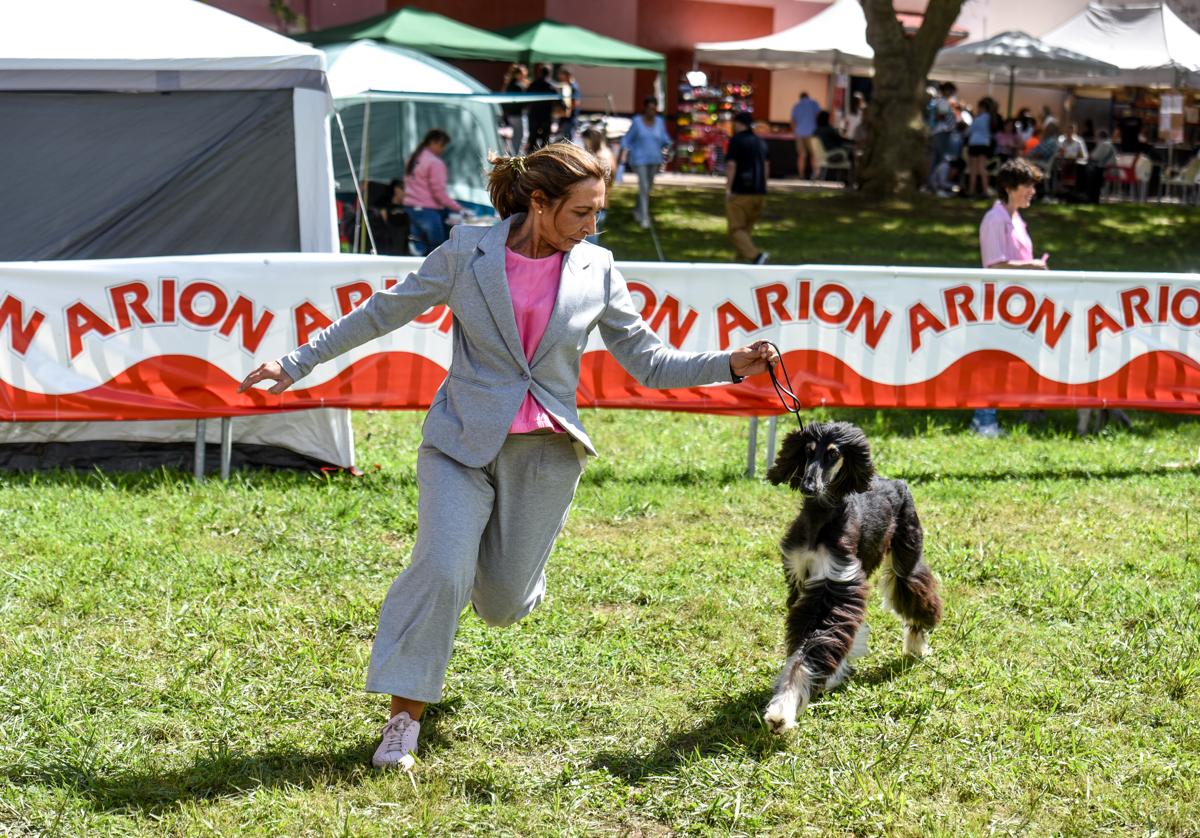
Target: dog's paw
[(916, 644), (779, 718)]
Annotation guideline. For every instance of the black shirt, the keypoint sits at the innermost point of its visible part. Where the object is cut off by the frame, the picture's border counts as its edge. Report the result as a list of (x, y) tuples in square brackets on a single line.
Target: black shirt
[(541, 111), (748, 152), (513, 108)]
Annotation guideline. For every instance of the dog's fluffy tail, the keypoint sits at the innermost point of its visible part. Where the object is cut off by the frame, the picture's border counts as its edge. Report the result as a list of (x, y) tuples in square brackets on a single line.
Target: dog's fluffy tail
[(907, 583)]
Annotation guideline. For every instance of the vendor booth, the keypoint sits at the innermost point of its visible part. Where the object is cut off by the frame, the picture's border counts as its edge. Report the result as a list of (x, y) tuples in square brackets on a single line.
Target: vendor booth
[(159, 128)]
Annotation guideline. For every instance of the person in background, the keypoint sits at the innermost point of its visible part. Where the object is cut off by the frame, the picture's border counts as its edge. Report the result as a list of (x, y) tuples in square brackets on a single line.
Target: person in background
[(854, 118), (394, 220), (979, 148), (1045, 153), (568, 124), (804, 126), (642, 150), (746, 172), (503, 447), (945, 181), (943, 123), (1007, 141), (1032, 141), (827, 135), (595, 142), (425, 198), (1004, 242), (516, 79), (1103, 155), (1026, 125), (1071, 146), (541, 114)]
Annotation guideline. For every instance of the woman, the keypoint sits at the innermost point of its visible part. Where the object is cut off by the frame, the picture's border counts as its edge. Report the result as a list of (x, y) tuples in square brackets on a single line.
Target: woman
[(502, 447), (597, 146), (1008, 141), (516, 79), (642, 148), (425, 198), (979, 149), (1004, 242)]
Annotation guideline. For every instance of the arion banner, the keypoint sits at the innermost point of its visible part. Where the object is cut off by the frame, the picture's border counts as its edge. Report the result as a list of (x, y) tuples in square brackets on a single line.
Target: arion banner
[(172, 337)]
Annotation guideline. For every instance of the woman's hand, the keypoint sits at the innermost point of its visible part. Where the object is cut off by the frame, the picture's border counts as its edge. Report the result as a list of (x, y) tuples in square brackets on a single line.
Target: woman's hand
[(753, 359), (270, 371)]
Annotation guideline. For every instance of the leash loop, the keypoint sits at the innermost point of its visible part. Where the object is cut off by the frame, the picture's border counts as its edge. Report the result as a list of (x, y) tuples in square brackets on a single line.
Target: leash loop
[(789, 400)]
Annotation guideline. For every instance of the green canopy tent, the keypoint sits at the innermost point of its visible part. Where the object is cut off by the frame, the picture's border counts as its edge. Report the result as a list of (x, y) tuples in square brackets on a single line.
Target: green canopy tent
[(551, 42), (430, 33)]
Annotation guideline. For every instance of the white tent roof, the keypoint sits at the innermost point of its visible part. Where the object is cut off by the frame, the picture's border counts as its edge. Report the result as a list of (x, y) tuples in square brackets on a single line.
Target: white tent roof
[(145, 45), (836, 36), (1148, 41), (366, 66)]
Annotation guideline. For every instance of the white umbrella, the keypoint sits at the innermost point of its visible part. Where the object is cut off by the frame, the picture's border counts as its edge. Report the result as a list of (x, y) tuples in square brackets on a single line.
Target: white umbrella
[(1024, 57)]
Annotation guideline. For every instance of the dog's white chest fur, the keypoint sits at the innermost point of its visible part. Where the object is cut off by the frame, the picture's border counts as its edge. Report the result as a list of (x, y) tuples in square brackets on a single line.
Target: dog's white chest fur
[(806, 566)]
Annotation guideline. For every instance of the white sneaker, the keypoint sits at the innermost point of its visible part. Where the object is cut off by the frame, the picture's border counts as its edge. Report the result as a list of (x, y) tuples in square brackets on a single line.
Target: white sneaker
[(399, 745)]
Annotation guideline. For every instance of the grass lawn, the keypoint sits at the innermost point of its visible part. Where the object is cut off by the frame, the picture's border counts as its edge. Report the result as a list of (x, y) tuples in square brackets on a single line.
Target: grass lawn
[(838, 228), (181, 659)]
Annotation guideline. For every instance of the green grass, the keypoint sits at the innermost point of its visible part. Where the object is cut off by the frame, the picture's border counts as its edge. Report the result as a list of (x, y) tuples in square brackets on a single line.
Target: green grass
[(834, 227), (183, 659)]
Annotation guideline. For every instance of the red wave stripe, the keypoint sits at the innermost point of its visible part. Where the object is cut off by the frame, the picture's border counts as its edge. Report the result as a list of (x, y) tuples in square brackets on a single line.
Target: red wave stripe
[(186, 387)]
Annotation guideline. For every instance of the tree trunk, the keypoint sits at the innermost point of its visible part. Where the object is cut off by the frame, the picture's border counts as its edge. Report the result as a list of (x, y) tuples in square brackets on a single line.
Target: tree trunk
[(896, 159)]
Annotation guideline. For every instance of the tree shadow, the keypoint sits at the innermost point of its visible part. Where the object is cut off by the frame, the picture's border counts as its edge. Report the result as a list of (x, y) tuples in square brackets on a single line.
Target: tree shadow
[(223, 772)]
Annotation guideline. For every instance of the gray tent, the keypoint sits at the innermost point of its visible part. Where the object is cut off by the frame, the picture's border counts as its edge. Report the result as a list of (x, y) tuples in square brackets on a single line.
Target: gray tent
[(155, 128)]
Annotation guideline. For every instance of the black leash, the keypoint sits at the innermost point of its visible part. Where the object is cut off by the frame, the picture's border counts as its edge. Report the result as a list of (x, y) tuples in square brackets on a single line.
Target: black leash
[(789, 400)]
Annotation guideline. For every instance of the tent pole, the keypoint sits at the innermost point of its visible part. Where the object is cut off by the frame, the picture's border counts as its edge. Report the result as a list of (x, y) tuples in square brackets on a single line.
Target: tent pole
[(198, 452), (353, 174), (1012, 72), (226, 446), (360, 210)]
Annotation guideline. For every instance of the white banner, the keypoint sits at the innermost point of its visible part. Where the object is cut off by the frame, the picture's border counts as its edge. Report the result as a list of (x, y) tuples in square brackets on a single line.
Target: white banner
[(171, 337)]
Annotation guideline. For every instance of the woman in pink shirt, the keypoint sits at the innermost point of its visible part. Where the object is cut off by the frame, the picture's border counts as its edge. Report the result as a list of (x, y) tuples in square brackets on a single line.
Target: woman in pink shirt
[(425, 198), (1004, 242)]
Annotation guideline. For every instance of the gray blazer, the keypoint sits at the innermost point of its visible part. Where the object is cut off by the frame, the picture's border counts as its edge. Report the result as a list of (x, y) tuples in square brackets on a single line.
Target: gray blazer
[(489, 376)]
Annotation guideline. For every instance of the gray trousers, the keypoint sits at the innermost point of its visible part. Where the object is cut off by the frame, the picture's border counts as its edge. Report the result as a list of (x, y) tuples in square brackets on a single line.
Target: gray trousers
[(483, 536), (645, 176)]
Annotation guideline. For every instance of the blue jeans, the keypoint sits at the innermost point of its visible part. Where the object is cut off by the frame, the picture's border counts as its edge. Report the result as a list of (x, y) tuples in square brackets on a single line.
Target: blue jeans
[(600, 216), (428, 228)]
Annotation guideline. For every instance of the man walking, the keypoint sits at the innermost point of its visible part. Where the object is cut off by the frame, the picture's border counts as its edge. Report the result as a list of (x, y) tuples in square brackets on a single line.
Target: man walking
[(804, 125), (746, 170)]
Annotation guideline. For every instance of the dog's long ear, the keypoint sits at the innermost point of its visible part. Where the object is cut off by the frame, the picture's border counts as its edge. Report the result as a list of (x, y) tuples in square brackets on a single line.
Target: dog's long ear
[(789, 464), (859, 468)]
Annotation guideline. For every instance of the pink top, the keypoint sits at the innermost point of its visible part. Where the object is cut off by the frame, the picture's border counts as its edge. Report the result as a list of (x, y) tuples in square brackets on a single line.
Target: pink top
[(533, 286), (426, 186), (1003, 238)]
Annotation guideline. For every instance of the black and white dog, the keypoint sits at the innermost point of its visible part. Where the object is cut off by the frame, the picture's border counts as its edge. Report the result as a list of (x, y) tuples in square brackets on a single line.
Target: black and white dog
[(851, 523)]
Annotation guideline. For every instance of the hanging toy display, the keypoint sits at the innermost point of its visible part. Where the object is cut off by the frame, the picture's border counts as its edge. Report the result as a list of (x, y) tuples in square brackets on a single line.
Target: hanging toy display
[(705, 123)]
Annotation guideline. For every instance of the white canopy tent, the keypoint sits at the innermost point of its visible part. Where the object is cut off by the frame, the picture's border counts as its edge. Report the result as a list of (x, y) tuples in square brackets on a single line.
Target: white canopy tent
[(1151, 45), (155, 128), (399, 94), (834, 39)]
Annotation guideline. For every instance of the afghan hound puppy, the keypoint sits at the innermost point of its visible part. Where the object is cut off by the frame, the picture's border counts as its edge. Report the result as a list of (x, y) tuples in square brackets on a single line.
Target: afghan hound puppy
[(851, 523)]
